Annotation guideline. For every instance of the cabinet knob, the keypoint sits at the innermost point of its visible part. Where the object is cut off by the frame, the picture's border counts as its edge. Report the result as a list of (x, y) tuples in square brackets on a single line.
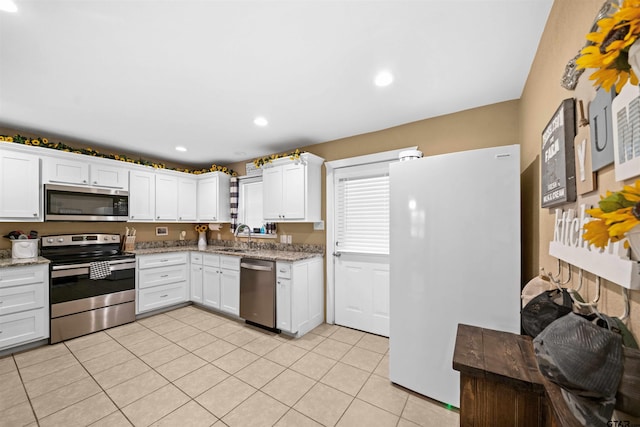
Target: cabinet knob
[(180, 218), (95, 182), (164, 296), (214, 218), (84, 181), (35, 214)]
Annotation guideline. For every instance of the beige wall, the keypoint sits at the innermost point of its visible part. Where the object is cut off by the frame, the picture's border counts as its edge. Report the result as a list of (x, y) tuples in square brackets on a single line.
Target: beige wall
[(563, 37)]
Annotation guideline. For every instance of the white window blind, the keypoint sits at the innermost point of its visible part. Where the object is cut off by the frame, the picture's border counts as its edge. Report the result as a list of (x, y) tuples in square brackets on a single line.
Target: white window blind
[(362, 212)]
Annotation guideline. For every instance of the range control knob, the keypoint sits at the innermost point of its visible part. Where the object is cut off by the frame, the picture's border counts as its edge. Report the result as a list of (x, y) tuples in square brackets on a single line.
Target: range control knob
[(114, 237), (60, 239), (49, 240)]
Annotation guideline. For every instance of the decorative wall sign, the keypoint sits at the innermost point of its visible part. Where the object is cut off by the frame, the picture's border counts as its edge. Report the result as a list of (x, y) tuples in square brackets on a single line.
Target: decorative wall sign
[(626, 132), (585, 178), (601, 129), (558, 163)]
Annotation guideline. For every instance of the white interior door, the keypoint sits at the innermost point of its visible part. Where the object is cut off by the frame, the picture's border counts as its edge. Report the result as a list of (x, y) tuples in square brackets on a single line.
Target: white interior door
[(361, 248)]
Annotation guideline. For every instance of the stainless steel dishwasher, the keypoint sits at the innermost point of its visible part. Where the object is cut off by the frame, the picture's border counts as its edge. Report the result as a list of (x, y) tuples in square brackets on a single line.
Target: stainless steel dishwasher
[(258, 292)]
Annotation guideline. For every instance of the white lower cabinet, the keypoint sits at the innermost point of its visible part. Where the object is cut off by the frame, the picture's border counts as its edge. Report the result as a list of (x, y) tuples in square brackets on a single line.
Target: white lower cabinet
[(24, 305), (219, 278), (195, 277), (162, 280), (299, 295)]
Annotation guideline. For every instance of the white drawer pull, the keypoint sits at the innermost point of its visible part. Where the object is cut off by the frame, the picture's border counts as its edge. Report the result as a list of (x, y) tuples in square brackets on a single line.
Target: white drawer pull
[(164, 296), (164, 260), (165, 275)]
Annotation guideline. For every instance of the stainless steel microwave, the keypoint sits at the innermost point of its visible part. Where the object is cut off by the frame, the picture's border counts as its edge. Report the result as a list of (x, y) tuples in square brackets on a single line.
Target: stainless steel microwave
[(69, 203)]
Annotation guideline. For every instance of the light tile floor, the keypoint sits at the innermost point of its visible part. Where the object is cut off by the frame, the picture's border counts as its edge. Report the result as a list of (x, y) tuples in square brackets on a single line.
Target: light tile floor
[(190, 367)]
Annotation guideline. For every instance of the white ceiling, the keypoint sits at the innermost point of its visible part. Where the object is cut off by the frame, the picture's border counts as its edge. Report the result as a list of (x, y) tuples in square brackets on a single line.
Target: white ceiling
[(144, 76)]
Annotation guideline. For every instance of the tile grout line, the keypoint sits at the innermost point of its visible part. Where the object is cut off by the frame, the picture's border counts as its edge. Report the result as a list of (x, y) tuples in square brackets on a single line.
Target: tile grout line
[(33, 411)]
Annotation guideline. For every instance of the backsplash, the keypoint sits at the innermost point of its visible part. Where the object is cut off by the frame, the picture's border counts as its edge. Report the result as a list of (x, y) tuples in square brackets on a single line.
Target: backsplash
[(294, 247)]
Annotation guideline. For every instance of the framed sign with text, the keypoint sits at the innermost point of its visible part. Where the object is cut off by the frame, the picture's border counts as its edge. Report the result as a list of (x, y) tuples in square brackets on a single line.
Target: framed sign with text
[(558, 174)]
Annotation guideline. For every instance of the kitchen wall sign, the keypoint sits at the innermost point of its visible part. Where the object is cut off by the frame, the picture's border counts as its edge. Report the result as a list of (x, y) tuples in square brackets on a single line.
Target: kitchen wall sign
[(558, 163), (585, 177), (601, 129), (625, 110)]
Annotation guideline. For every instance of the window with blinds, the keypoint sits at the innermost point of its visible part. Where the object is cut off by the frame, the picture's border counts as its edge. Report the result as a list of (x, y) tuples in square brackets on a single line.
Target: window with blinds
[(362, 212)]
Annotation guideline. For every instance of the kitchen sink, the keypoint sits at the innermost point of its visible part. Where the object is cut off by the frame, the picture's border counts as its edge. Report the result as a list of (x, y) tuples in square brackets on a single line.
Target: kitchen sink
[(233, 250)]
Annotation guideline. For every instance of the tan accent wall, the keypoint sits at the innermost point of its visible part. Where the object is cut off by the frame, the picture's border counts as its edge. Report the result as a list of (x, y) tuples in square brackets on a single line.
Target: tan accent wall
[(564, 36)]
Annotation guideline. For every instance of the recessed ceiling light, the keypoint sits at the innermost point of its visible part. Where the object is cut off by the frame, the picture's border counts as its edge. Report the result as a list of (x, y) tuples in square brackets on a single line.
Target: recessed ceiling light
[(260, 121), (383, 78), (181, 148), (8, 6)]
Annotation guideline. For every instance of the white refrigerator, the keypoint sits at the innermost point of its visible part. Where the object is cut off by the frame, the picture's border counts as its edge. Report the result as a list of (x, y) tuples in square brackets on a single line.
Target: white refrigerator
[(455, 258)]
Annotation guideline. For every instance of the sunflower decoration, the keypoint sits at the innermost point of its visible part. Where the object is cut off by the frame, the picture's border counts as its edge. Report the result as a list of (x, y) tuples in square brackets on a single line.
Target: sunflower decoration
[(201, 228), (608, 50), (616, 214)]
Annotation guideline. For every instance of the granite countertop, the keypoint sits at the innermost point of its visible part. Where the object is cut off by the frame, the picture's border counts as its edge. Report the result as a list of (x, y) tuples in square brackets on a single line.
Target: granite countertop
[(266, 254), (10, 262)]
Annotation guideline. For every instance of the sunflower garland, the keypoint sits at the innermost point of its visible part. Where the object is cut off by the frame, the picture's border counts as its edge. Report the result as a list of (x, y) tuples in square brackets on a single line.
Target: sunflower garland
[(294, 155), (616, 214), (608, 50), (44, 142)]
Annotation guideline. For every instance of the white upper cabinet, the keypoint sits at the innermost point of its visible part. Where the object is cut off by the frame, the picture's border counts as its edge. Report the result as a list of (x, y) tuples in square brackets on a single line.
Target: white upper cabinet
[(142, 196), (83, 172), (102, 175), (291, 189), (213, 197), (187, 190), (19, 187), (166, 197)]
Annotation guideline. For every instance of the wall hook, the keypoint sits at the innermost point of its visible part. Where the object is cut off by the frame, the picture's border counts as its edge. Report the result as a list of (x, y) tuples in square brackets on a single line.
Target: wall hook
[(627, 306), (598, 283)]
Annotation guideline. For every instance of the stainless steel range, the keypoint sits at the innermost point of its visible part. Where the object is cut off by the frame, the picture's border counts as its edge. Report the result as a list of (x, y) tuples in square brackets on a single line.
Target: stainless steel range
[(92, 284)]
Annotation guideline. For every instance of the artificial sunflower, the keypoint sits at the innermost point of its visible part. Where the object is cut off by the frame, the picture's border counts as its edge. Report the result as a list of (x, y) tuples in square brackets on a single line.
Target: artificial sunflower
[(201, 228), (608, 51), (617, 213)]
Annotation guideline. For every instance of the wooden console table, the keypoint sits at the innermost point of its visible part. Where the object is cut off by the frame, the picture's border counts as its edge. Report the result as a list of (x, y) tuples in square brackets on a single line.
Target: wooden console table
[(500, 384)]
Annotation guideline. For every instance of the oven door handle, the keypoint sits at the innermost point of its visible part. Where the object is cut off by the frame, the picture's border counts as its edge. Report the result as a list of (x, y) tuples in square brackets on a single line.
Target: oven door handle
[(81, 269)]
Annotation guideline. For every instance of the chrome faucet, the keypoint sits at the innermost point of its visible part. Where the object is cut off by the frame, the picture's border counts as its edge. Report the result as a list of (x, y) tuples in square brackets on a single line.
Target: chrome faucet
[(240, 227)]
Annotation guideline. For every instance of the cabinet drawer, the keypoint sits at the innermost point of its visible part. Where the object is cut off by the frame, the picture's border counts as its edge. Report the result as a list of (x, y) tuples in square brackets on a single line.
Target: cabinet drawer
[(162, 296), (15, 276), (230, 262), (19, 328), (21, 298), (161, 260), (196, 258), (283, 269), (211, 260), (161, 276)]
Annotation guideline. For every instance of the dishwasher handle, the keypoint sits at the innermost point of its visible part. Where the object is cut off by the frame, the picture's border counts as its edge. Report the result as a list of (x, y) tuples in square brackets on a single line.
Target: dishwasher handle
[(255, 267)]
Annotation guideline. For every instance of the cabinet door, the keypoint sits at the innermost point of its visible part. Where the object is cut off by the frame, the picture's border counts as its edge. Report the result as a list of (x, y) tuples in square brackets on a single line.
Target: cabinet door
[(65, 171), (293, 191), (166, 198), (272, 193), (208, 199), (19, 186), (196, 283), (109, 176), (230, 291), (142, 196), (187, 188), (283, 305), (211, 286), (20, 328)]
